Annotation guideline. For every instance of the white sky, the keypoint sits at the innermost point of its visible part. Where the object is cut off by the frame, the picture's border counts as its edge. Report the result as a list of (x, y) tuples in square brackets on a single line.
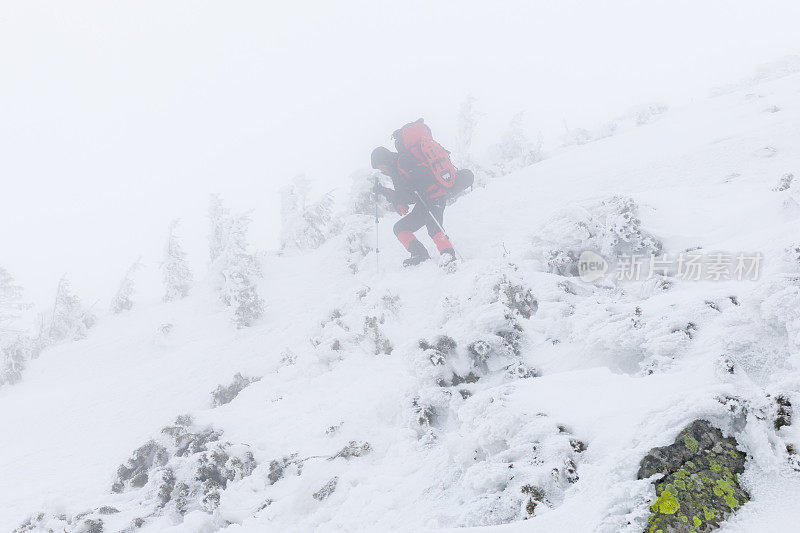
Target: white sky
[(117, 116)]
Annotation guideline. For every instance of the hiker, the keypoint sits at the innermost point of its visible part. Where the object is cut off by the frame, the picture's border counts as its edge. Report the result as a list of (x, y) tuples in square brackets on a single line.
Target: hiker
[(422, 175)]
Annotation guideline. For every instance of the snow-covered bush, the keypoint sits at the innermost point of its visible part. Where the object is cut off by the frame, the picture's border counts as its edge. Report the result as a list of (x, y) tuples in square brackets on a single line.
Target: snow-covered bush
[(123, 300), (359, 239), (359, 326), (644, 114), (581, 136), (611, 228), (225, 394), (70, 319), (305, 225), (185, 469), (509, 465), (15, 351), (177, 277), (237, 270)]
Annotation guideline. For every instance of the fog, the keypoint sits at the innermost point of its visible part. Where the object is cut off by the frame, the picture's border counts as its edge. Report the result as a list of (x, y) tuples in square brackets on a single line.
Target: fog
[(117, 117)]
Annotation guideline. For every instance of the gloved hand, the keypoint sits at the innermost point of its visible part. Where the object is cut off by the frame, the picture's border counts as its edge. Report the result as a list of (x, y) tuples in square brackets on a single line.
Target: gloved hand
[(389, 194), (401, 209)]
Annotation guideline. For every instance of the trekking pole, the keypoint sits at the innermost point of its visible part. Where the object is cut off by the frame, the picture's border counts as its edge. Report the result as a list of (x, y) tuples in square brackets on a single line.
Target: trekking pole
[(377, 233), (460, 257)]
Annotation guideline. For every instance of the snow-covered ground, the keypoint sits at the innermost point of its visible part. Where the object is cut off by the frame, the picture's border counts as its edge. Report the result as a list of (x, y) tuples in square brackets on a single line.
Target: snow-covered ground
[(571, 390)]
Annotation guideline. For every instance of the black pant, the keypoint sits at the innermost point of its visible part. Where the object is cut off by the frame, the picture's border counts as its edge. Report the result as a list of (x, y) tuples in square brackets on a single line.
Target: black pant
[(419, 217)]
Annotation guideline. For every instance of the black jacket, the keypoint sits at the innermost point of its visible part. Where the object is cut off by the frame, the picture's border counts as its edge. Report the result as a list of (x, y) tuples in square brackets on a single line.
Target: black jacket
[(409, 175)]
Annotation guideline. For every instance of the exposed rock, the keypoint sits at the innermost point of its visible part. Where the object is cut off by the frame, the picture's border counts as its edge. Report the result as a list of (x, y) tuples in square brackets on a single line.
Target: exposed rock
[(700, 487)]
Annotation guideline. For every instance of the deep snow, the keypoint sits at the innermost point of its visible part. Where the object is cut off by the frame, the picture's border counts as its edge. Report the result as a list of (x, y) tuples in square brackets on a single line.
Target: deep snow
[(621, 370)]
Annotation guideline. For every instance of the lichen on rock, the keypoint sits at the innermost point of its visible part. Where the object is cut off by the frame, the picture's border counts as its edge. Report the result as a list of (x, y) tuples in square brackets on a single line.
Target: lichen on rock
[(700, 486)]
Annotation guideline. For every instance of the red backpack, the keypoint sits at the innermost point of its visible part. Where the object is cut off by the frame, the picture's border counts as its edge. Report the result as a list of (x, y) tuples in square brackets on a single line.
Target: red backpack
[(415, 138)]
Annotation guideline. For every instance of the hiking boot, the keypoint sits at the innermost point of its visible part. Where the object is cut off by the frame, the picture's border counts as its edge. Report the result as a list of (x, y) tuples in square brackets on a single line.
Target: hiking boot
[(447, 257), (418, 254)]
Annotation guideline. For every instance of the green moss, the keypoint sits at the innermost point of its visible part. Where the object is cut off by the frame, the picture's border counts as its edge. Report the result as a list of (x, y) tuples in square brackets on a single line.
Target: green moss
[(708, 513), (691, 443), (696, 521), (716, 467), (666, 504), (684, 518)]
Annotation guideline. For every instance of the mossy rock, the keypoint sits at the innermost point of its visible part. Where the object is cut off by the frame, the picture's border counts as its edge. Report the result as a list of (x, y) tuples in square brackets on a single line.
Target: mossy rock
[(700, 488)]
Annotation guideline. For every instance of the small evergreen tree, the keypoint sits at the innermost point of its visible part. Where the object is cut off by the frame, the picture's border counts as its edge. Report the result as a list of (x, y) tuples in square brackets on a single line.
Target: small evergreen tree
[(305, 226), (15, 348), (178, 278), (10, 300), (362, 199), (70, 321), (217, 214), (237, 269), (468, 117), (515, 151), (123, 300)]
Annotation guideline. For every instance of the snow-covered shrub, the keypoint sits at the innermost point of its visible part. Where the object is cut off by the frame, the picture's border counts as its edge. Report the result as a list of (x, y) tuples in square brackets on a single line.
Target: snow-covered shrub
[(225, 394), (185, 469), (70, 320), (512, 466), (785, 183), (580, 136), (356, 327), (644, 114), (305, 225), (237, 269), (515, 150), (611, 228), (326, 490), (359, 236), (177, 276), (188, 468), (503, 306), (123, 299), (353, 449), (15, 351), (374, 334)]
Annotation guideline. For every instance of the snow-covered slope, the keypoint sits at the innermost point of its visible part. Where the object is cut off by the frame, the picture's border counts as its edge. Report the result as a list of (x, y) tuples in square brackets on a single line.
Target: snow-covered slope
[(527, 379)]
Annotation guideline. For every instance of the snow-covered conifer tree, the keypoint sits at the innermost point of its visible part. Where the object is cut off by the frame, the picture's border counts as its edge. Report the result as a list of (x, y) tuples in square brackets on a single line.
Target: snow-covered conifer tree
[(217, 214), (70, 320), (177, 276), (303, 225), (10, 299), (123, 300), (237, 269), (467, 121), (516, 151), (15, 348)]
